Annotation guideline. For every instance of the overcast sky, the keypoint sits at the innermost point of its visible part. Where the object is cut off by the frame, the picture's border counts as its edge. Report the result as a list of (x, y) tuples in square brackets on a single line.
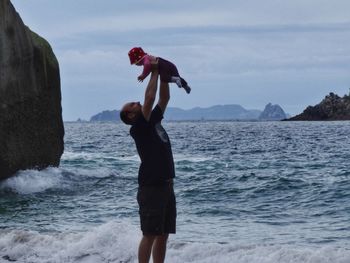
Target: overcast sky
[(247, 52)]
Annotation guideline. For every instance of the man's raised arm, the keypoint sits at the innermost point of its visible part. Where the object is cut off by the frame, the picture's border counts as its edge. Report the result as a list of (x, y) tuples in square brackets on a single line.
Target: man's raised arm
[(150, 95), (164, 96)]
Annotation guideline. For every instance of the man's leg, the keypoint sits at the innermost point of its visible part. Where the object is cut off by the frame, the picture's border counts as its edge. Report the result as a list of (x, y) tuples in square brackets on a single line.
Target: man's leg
[(159, 248), (145, 248)]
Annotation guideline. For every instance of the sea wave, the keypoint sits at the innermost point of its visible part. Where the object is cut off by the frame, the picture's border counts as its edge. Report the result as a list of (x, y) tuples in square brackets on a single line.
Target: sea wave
[(118, 242), (33, 181), (111, 242), (93, 156), (191, 158)]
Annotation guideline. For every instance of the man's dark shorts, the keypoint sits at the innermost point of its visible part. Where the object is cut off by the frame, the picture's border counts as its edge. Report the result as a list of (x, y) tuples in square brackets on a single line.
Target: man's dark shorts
[(157, 209)]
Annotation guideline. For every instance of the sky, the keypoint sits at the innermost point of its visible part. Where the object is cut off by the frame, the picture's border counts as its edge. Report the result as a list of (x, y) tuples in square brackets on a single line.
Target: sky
[(247, 52)]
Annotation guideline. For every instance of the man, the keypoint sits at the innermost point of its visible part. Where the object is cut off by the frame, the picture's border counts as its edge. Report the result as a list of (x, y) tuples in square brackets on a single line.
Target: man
[(155, 196)]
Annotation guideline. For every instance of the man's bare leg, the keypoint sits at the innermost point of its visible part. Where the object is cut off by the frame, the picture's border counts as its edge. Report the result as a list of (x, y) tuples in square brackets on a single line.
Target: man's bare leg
[(145, 248), (159, 248)]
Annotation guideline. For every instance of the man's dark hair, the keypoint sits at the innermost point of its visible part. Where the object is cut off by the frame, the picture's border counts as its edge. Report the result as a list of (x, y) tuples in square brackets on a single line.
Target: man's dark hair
[(124, 117)]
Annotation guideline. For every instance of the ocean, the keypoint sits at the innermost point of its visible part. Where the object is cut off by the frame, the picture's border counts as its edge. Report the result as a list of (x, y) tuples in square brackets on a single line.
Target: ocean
[(265, 192)]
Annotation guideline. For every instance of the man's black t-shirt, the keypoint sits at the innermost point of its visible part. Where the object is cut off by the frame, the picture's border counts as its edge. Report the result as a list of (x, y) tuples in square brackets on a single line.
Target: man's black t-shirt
[(154, 149)]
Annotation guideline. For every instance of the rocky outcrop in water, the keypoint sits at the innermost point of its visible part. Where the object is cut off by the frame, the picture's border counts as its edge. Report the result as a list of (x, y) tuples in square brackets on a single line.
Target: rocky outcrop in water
[(272, 113), (31, 126), (331, 108)]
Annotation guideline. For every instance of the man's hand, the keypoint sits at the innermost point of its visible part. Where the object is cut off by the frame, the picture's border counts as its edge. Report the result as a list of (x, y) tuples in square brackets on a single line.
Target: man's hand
[(140, 78)]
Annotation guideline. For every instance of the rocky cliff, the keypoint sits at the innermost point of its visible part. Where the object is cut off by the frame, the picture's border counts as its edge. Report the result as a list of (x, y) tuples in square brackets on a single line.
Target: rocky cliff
[(332, 107), (31, 126)]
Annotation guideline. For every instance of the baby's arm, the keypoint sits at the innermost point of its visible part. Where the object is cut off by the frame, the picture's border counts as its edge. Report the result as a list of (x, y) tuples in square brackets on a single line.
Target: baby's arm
[(147, 67)]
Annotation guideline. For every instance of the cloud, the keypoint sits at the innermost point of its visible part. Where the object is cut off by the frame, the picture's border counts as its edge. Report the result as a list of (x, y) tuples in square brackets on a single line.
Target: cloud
[(245, 65), (247, 52), (85, 16)]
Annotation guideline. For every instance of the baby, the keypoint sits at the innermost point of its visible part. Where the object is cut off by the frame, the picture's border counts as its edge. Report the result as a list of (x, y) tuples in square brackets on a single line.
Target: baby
[(167, 70)]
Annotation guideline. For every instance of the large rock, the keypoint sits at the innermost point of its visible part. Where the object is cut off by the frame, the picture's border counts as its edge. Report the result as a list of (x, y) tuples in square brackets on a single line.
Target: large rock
[(332, 107), (272, 113), (31, 126)]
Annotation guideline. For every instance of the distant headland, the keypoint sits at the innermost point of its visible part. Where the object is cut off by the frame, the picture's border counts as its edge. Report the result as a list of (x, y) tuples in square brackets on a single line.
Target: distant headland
[(217, 112)]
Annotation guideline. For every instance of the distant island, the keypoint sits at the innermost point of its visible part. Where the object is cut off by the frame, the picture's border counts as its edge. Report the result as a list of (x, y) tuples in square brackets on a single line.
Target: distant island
[(217, 112), (331, 108), (273, 113)]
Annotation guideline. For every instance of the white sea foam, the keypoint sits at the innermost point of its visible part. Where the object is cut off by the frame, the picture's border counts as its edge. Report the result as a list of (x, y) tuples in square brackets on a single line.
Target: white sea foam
[(33, 181), (191, 158), (111, 242), (100, 172), (79, 155), (208, 253), (118, 242), (86, 156)]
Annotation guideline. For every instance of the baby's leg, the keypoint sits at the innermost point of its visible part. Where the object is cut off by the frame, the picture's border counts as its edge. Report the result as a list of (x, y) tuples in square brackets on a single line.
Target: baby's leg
[(181, 83), (176, 80)]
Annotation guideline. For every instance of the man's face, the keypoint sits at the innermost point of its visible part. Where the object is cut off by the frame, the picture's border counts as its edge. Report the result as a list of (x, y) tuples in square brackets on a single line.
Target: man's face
[(132, 107)]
